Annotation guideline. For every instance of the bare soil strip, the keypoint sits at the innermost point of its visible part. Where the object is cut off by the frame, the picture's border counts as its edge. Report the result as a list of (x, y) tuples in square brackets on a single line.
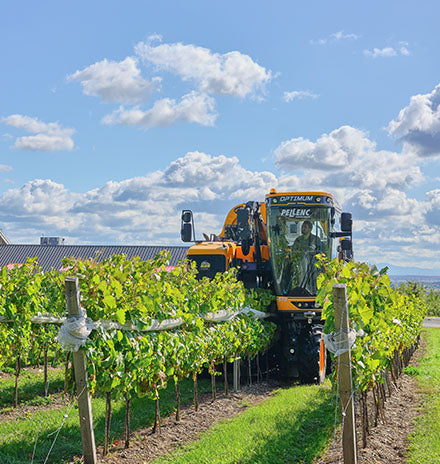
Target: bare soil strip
[(145, 446), (387, 442)]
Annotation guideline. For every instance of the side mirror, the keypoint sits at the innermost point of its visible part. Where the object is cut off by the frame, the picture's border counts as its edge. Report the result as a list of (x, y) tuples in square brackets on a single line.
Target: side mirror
[(186, 232), (346, 245), (346, 222), (187, 215), (186, 226), (347, 249)]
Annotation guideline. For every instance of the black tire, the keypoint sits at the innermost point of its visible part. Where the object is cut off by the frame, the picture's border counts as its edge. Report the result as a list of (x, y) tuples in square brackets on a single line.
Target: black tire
[(309, 360)]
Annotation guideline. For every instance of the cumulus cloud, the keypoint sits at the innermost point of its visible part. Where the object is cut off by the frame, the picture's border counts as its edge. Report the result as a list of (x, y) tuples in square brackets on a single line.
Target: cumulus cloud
[(203, 170), (144, 209), (418, 124), (387, 52), (389, 225), (384, 204), (340, 35), (348, 158), (48, 136), (193, 107), (231, 73), (113, 81), (433, 207), (299, 95), (37, 197), (370, 183), (336, 37)]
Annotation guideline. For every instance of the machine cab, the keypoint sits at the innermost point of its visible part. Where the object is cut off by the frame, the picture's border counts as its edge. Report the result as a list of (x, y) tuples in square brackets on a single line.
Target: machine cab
[(300, 226)]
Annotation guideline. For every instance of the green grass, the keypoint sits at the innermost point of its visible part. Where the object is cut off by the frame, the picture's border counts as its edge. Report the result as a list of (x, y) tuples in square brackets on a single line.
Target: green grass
[(30, 386), (424, 446), (17, 436), (294, 426)]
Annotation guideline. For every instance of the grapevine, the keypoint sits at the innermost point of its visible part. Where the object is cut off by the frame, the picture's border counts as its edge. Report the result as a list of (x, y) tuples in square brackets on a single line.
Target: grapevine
[(133, 293), (387, 324)]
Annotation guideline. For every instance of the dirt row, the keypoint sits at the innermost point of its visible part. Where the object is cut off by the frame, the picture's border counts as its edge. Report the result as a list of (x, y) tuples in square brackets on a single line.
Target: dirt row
[(145, 446), (387, 442)]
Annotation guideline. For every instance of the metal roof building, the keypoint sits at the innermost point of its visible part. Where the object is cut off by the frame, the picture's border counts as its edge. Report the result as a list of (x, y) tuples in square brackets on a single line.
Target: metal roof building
[(50, 256)]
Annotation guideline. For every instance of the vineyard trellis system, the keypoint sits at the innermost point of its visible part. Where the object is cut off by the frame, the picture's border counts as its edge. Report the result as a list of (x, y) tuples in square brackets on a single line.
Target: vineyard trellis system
[(125, 300), (387, 326)]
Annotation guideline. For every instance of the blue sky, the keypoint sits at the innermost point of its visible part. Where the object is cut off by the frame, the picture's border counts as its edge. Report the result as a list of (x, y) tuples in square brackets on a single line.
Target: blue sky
[(116, 115)]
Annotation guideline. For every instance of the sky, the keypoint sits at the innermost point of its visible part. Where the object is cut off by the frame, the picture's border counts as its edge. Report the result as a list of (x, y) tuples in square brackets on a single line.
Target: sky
[(115, 116)]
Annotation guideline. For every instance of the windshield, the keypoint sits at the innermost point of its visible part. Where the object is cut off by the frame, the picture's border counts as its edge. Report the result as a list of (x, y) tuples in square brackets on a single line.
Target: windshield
[(296, 235)]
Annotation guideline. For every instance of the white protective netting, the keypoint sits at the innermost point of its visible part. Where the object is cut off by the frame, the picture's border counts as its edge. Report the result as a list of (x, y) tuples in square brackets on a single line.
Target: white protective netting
[(340, 342), (74, 332), (75, 329)]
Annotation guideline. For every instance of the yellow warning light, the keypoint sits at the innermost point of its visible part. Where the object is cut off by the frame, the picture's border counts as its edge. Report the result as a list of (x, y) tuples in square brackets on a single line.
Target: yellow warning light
[(272, 191)]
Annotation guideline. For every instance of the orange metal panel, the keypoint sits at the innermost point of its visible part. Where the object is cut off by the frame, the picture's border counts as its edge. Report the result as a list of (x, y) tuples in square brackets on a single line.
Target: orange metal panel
[(287, 303), (249, 258), (231, 217)]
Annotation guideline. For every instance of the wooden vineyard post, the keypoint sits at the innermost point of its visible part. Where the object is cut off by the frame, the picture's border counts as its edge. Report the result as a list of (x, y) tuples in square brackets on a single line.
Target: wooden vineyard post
[(340, 305), (79, 365)]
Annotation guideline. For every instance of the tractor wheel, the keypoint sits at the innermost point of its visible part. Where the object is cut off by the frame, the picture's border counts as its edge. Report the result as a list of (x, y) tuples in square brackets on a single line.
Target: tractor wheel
[(313, 357)]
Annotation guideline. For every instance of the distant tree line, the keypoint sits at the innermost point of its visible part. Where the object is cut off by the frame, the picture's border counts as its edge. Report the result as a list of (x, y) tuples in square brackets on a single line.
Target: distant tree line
[(431, 296)]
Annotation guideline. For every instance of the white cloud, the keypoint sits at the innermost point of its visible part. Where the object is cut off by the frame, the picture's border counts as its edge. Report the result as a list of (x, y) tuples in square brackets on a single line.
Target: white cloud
[(203, 170), (336, 37), (5, 168), (299, 95), (418, 124), (433, 208), (44, 142), (340, 35), (37, 197), (378, 52), (143, 209), (48, 136), (231, 73), (389, 226), (115, 81), (388, 52), (347, 158), (193, 107)]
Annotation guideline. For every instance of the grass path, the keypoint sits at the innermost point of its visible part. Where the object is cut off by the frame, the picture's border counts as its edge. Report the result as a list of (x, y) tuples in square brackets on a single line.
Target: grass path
[(30, 386), (293, 426), (17, 437), (424, 446)]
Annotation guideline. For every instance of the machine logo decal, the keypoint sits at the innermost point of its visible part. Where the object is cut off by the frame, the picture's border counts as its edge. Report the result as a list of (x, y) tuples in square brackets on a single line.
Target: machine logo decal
[(296, 212), (204, 265), (296, 198)]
